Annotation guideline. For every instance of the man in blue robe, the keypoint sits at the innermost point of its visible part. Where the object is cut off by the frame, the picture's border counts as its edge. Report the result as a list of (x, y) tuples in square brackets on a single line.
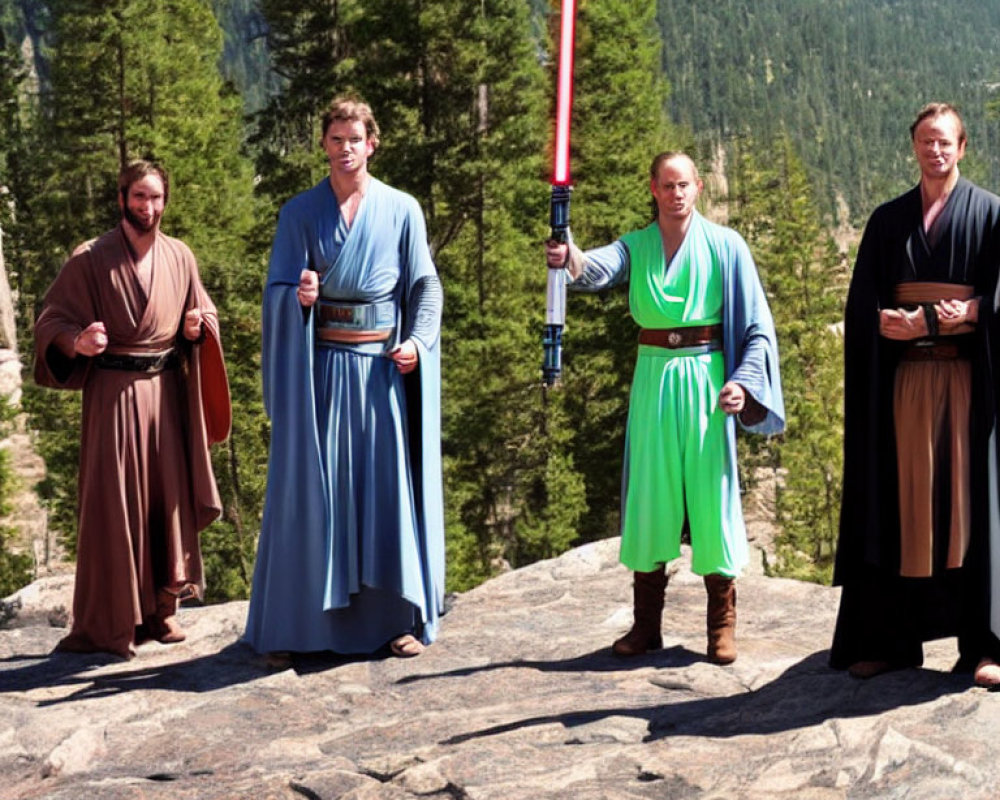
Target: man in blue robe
[(351, 551)]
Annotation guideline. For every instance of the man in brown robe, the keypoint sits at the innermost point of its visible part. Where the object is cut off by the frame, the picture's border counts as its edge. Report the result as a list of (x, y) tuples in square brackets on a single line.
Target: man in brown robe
[(128, 321)]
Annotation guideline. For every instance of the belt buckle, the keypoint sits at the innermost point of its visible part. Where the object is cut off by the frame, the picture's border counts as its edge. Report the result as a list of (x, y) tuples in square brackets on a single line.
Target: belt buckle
[(674, 339)]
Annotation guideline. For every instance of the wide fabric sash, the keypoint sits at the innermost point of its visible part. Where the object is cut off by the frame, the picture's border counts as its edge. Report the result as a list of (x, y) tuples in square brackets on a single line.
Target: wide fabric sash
[(918, 293)]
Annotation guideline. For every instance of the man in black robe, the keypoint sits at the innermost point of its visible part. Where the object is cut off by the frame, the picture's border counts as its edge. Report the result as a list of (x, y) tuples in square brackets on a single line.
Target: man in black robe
[(921, 338)]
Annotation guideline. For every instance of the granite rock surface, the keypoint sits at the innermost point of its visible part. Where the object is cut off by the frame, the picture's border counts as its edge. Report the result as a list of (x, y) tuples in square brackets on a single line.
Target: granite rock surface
[(519, 698)]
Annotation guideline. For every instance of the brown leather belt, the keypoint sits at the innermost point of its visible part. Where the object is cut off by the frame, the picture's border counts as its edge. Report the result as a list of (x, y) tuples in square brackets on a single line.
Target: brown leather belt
[(933, 352), (346, 336), (675, 338)]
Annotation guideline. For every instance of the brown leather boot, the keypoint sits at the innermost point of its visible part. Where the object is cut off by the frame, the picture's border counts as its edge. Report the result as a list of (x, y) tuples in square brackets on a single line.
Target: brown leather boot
[(163, 626), (721, 619), (647, 601)]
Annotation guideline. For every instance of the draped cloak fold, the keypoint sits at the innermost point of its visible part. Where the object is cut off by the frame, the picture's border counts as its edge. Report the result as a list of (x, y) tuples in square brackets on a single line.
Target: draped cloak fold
[(963, 247), (337, 551), (146, 486)]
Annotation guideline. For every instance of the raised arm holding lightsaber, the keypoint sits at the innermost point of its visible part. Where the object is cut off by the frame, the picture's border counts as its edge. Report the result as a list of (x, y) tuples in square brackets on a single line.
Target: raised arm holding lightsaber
[(555, 299)]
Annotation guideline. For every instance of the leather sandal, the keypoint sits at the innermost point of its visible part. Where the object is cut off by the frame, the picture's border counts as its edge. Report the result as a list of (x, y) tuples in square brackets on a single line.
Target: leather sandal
[(406, 646), (987, 673)]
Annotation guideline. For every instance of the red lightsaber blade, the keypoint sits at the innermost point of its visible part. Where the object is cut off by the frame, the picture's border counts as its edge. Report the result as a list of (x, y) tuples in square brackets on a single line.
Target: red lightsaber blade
[(564, 93), (555, 305)]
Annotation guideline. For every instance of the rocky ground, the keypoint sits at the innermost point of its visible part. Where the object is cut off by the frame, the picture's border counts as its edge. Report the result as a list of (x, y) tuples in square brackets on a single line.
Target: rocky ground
[(24, 516), (518, 699)]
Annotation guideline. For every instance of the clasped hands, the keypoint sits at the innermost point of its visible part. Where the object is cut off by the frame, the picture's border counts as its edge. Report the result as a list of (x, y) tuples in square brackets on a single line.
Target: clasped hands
[(902, 324)]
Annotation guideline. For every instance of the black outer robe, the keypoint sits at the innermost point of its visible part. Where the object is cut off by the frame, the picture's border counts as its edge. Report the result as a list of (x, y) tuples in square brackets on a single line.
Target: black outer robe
[(962, 248)]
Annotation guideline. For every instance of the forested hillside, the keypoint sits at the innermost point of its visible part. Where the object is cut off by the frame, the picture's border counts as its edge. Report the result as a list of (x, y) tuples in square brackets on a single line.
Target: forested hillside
[(842, 77)]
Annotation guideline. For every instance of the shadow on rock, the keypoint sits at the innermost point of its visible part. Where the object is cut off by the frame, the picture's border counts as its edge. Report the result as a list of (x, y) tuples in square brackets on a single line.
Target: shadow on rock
[(807, 694), (230, 666), (597, 661), (312, 663)]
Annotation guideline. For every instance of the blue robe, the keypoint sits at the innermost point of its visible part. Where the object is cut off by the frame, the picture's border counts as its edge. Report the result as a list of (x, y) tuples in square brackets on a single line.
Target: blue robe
[(351, 550)]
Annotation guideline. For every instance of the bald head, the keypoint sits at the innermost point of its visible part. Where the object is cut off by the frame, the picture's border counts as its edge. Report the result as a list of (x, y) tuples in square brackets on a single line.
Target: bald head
[(675, 186)]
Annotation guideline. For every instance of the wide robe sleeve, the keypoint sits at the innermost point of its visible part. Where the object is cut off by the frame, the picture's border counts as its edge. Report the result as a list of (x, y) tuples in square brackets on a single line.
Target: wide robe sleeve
[(209, 366), (423, 397), (870, 495), (69, 306), (209, 407), (295, 521), (750, 341), (295, 486)]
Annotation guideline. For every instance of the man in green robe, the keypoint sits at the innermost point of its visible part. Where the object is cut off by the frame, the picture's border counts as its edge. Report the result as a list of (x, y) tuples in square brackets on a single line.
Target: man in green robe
[(707, 356)]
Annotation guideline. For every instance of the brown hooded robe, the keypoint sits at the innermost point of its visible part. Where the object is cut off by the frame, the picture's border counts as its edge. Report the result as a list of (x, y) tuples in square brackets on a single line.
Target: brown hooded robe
[(146, 486)]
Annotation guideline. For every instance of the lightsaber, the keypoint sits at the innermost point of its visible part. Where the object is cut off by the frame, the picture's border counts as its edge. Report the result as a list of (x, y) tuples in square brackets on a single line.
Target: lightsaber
[(555, 296)]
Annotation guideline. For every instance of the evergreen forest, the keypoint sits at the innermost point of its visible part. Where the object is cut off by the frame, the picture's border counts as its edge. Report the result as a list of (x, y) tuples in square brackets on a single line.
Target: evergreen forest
[(843, 78), (797, 111)]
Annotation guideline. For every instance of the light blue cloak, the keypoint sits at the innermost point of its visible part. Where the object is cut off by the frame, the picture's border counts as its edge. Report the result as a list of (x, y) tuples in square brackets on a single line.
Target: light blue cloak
[(351, 550)]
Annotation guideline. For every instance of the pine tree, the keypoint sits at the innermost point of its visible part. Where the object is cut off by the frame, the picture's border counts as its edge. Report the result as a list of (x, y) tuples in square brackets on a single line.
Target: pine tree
[(31, 259), (15, 567), (804, 277), (311, 48)]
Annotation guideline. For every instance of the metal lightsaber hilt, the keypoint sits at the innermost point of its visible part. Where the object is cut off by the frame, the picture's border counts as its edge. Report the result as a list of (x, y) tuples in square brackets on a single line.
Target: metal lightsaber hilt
[(555, 295)]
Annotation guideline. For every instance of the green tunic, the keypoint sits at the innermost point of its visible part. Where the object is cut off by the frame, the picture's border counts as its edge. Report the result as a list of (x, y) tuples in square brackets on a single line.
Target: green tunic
[(676, 456)]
